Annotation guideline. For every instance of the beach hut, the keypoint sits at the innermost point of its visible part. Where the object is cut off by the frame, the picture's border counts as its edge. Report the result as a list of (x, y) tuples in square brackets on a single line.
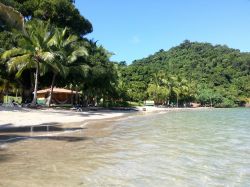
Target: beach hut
[(61, 96)]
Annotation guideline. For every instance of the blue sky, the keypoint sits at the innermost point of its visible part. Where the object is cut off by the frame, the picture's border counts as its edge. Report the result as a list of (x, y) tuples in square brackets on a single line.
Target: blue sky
[(134, 29)]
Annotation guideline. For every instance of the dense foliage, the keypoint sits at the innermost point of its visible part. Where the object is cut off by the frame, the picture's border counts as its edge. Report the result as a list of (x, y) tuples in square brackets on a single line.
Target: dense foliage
[(191, 72), (62, 13), (50, 50)]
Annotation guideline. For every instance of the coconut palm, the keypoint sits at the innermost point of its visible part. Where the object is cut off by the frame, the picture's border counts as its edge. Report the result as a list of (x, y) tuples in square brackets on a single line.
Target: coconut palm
[(158, 88), (32, 53), (180, 87), (68, 51)]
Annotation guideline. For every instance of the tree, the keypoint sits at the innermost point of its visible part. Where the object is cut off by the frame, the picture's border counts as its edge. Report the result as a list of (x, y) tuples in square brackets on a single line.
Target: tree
[(68, 51), (158, 93), (224, 70), (206, 95), (102, 78), (158, 89), (61, 13), (11, 17), (33, 51)]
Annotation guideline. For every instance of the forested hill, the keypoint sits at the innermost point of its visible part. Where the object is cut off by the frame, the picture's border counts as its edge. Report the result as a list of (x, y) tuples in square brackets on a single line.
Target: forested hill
[(212, 73)]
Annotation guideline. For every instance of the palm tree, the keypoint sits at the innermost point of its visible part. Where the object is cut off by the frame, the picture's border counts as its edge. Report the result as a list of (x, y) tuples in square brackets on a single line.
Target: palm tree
[(177, 91), (179, 88), (158, 88), (33, 51), (67, 50), (167, 81)]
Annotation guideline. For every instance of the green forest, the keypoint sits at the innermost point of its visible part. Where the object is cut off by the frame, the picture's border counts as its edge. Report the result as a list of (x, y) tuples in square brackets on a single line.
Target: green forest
[(191, 72), (43, 44)]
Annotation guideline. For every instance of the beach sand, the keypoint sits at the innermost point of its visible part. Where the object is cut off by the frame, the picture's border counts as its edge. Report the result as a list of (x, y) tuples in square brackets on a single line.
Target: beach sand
[(29, 117), (34, 117)]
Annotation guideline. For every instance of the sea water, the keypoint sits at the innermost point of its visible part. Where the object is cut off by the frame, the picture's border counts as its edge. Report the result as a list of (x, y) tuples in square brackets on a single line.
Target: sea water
[(184, 148)]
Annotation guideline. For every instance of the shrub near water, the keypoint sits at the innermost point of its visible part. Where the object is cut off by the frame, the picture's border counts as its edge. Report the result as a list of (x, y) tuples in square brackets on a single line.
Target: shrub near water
[(227, 103)]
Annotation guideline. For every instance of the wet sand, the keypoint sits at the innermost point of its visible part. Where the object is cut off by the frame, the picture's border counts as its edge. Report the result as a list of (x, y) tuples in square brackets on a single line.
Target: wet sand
[(38, 158)]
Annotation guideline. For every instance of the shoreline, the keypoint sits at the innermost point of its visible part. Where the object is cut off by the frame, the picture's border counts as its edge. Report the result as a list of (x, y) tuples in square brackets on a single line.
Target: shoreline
[(30, 123), (32, 117)]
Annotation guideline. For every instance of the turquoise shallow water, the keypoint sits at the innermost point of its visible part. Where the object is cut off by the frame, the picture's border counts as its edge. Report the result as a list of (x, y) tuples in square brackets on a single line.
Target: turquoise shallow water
[(189, 148)]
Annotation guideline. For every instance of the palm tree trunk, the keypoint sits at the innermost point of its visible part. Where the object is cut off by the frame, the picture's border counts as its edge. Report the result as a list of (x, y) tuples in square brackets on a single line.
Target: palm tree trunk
[(72, 96), (177, 101), (211, 103), (36, 84), (77, 96), (31, 80), (51, 88)]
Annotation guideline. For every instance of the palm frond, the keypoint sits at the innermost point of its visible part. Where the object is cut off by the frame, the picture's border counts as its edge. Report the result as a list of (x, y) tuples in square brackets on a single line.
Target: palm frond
[(24, 66), (44, 68), (13, 52), (81, 69), (47, 56), (79, 52), (53, 40), (57, 37), (16, 62), (63, 70), (71, 39)]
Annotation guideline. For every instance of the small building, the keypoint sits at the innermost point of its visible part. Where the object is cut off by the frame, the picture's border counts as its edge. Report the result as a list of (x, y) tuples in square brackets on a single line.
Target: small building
[(60, 96)]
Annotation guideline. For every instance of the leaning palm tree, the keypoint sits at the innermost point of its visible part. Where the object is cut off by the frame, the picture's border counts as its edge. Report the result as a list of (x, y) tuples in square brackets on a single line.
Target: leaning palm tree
[(67, 52), (33, 51)]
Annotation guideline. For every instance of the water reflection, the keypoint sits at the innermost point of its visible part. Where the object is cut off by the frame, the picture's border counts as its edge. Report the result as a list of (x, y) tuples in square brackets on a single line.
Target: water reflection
[(205, 148)]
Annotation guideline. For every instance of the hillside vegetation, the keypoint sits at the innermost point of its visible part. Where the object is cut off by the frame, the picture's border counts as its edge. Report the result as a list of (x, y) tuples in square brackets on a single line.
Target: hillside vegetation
[(191, 72)]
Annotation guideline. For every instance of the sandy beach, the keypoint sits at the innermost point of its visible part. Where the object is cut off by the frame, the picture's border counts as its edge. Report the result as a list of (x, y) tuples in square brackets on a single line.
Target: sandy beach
[(30, 117)]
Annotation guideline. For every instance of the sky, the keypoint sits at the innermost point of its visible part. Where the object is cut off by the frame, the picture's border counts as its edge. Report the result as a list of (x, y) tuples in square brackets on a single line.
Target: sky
[(134, 29)]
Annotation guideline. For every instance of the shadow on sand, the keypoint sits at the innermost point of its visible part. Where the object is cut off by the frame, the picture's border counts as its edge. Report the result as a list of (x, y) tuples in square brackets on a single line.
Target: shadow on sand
[(5, 157), (12, 138), (11, 134), (45, 127)]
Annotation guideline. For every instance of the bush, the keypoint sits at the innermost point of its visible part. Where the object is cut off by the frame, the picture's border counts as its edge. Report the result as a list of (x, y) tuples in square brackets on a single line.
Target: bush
[(109, 104), (226, 103)]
